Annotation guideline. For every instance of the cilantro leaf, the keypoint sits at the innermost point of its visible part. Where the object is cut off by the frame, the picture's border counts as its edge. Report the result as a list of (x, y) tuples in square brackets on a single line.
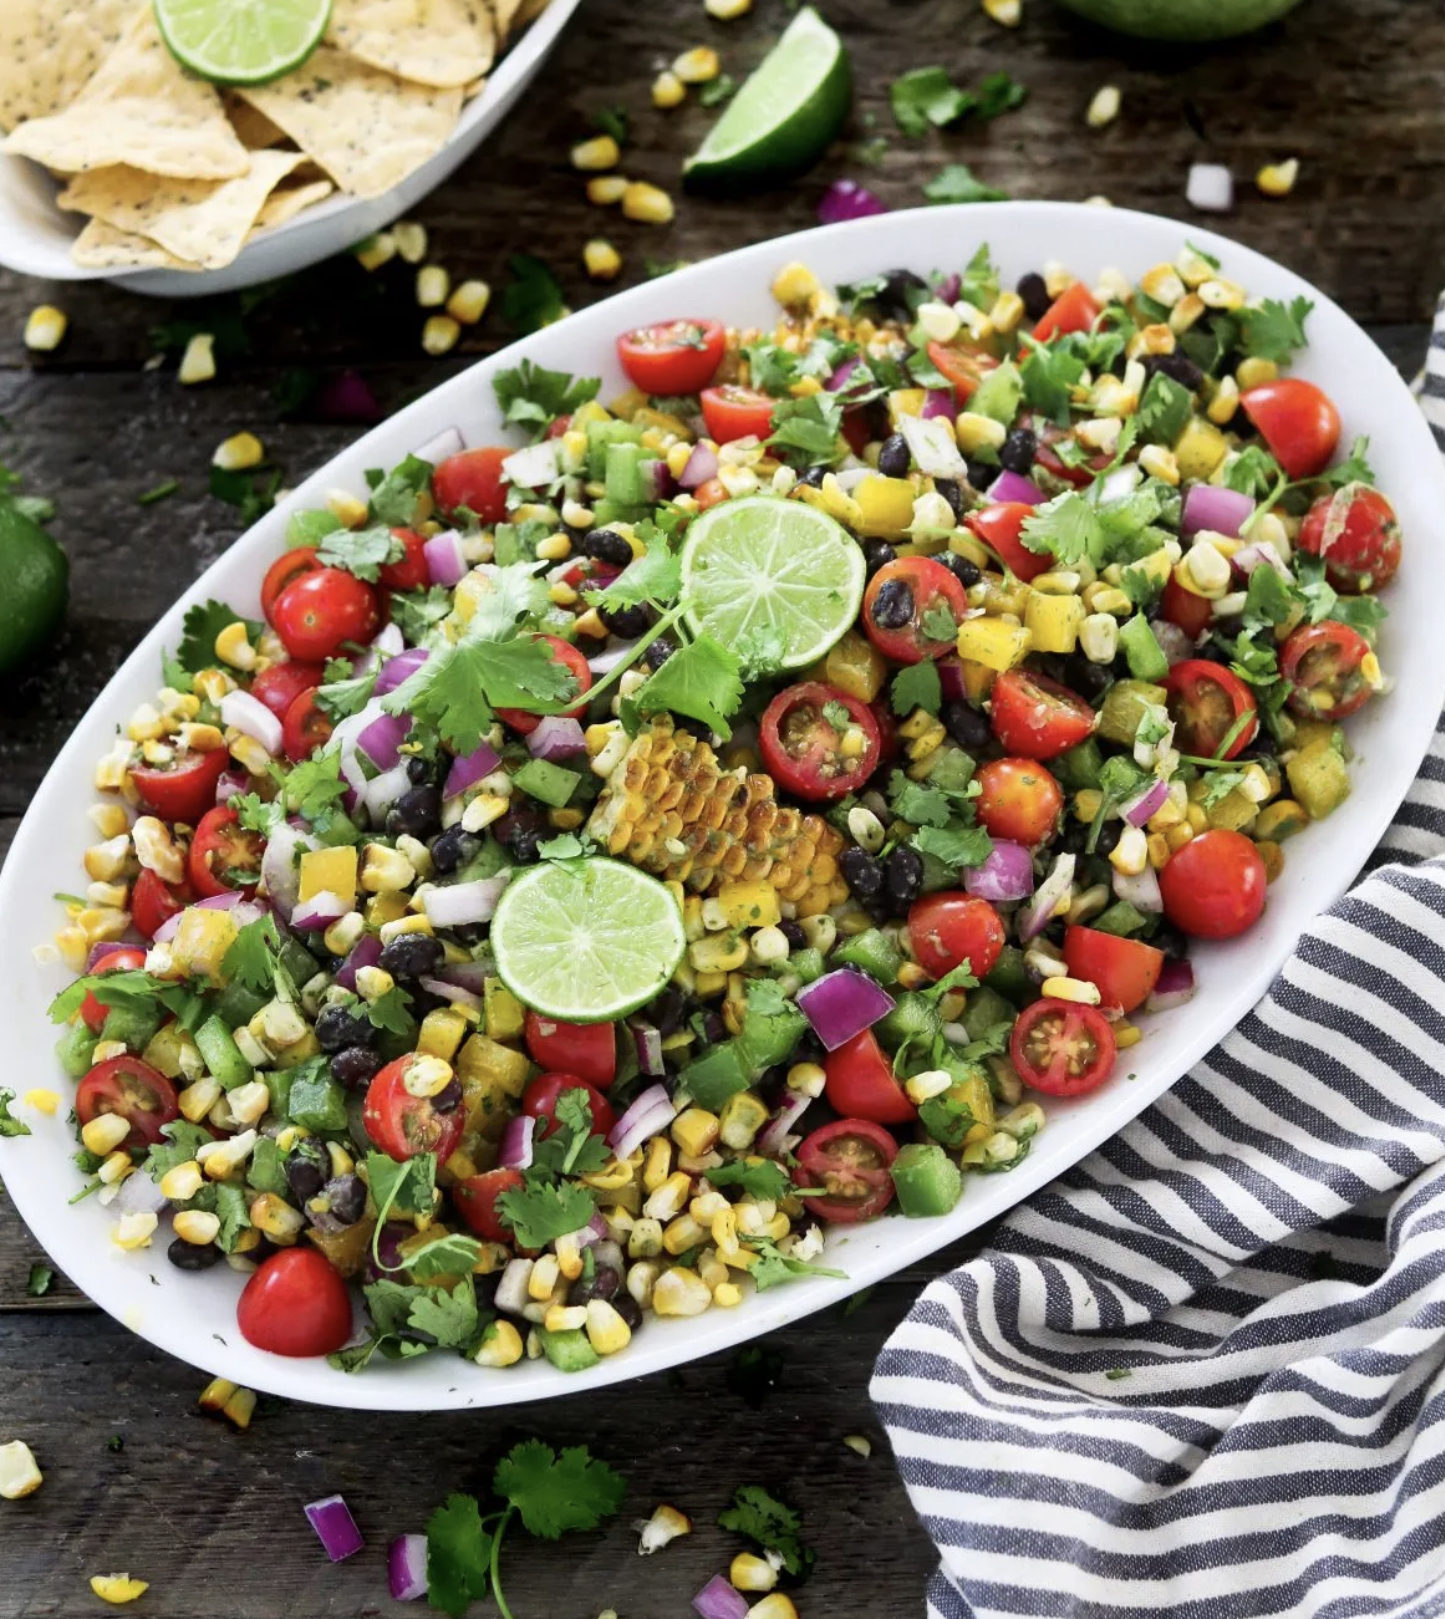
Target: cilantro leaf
[(534, 397), (258, 814), (566, 846), (702, 680), (389, 1011), (542, 1211), (340, 699), (232, 1211), (925, 96), (364, 551), (1066, 528), (313, 788), (979, 283), (938, 622), (612, 121), (181, 1143), (405, 1188), (959, 977), (775, 1268), (998, 93), (453, 1254), (458, 1556), (531, 298), (958, 183), (9, 1124), (1165, 409), (1049, 372), (415, 611), (553, 1493), (40, 1280), (311, 527), (201, 625), (770, 1524), (1274, 330), (396, 498), (958, 847), (759, 1178), (806, 431), (571, 1148), (1254, 471), (922, 805), (1219, 784), (917, 685), (1355, 468), (449, 1317), (656, 576), (717, 90), (253, 954)]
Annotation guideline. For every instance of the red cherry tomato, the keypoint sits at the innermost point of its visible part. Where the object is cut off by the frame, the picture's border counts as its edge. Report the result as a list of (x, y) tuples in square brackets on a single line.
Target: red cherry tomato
[(1037, 718), (850, 1159), (1076, 470), (1125, 970), (1182, 607), (1323, 660), (152, 902), (317, 614), (285, 571), (709, 494), (1018, 800), (1206, 701), (296, 1304), (476, 1201), (472, 481), (1061, 1048), (952, 927), (126, 959), (965, 365), (588, 1050), (405, 1126), (224, 855), (1357, 533), (855, 429), (539, 1101), (1214, 885), (801, 740), (1074, 310), (305, 728), (1297, 421), (411, 571), (861, 1083), (280, 685), (133, 1089), (930, 595), (889, 744), (731, 412), (184, 789), (565, 653), (1000, 527), (672, 357)]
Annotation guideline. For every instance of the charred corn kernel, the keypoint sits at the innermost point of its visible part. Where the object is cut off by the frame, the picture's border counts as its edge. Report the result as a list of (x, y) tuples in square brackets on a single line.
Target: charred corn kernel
[(233, 646), (500, 1346), (569, 1255), (591, 156), (1008, 14), (373, 982), (344, 932), (607, 1332), (1078, 990), (198, 1098), (601, 260), (727, 10), (912, 976), (384, 871), (1006, 313), (197, 1226), (976, 432), (110, 820), (482, 811), (1159, 462), (1197, 818), (555, 548), (1254, 372), (118, 1588), (213, 684), (43, 1101), (427, 1076), (669, 1198), (656, 1163), (1186, 313), (104, 1133), (807, 1077), (1131, 854), (1159, 850), (940, 321), (743, 1115), (748, 904), (19, 1474), (219, 1158), (182, 1182), (198, 363), (1163, 284), (668, 91), (1221, 294), (468, 303), (45, 328), (648, 204), (644, 1240), (133, 1231), (698, 65), (440, 335), (866, 829), (346, 508), (376, 251), (116, 1167), (748, 1572), (1222, 407), (932, 1082), (854, 742), (682, 1234), (720, 953), (695, 1131), (1104, 108), (1099, 637), (565, 1318), (239, 453), (1127, 1034), (680, 1292)]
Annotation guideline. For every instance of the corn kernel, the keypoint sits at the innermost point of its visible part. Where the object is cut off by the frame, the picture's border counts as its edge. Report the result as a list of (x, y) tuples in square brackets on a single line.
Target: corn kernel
[(43, 1101), (668, 91), (118, 1588), (439, 335), (104, 1133), (1104, 108), (601, 152), (601, 259), (45, 329), (1078, 990), (1008, 14), (698, 65), (1131, 854), (607, 1332), (182, 1182), (197, 1226), (748, 1572), (1278, 179), (1253, 373), (468, 302), (794, 285), (433, 285), (680, 1292), (1159, 462), (134, 1231), (19, 1474), (976, 432), (1225, 403), (775, 1605), (502, 1346), (376, 251), (198, 363), (647, 203), (727, 10)]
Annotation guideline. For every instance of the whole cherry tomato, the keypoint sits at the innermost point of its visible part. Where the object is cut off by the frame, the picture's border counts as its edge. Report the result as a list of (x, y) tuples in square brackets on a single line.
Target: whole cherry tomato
[(588, 1050), (317, 614), (1018, 800), (1324, 661), (731, 412), (1208, 703), (801, 738), (295, 1304), (1062, 1048), (540, 1099), (849, 1159), (1000, 527), (861, 1083), (912, 608), (405, 1126), (472, 481), (410, 571), (224, 855), (965, 364), (1214, 885), (285, 571), (1357, 533), (1125, 970), (672, 357), (185, 788), (134, 1090), (1037, 718), (952, 927), (280, 685), (1297, 421)]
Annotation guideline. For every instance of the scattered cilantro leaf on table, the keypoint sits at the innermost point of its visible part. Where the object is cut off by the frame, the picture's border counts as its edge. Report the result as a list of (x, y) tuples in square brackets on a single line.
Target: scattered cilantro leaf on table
[(771, 1524), (958, 183)]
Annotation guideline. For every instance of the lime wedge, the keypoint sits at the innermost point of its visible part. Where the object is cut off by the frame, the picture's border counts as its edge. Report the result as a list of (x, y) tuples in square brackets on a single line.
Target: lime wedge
[(777, 581), (586, 941), (787, 111), (242, 41)]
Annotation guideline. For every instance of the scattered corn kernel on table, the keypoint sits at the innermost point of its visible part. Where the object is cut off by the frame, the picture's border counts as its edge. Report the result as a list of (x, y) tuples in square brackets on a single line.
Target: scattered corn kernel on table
[(136, 1477)]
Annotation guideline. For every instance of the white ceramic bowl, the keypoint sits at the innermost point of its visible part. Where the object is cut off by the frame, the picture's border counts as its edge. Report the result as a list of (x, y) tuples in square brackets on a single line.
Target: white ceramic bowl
[(36, 236), (194, 1316)]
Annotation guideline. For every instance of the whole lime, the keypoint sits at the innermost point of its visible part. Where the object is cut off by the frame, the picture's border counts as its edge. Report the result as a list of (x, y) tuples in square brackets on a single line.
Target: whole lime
[(1182, 19), (36, 577)]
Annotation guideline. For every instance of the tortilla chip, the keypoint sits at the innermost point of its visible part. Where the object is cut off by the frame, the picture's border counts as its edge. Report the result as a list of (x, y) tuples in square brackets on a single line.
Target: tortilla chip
[(367, 129), (204, 221), (141, 109), (506, 17), (474, 89), (253, 129), (284, 204), (444, 43), (529, 11), (102, 247), (50, 48)]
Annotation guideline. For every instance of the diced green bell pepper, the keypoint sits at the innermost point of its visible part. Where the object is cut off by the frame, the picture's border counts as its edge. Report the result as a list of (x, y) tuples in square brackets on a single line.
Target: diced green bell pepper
[(221, 1054), (316, 1100), (719, 1073), (547, 783), (1141, 648), (927, 1180), (76, 1050), (1079, 768), (569, 1351), (874, 952)]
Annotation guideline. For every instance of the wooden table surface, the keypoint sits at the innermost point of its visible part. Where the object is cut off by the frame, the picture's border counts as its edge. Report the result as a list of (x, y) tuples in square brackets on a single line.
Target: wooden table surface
[(1354, 88)]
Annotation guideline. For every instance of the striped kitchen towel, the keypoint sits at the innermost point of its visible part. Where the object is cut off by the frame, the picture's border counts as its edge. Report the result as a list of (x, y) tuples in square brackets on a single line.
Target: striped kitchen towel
[(1203, 1374)]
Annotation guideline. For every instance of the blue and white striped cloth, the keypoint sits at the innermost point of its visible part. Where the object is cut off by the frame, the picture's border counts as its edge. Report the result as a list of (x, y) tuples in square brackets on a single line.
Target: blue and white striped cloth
[(1203, 1374)]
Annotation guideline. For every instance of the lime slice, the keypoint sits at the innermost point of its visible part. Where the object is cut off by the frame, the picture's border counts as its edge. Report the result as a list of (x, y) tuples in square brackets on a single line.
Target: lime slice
[(787, 111), (242, 41), (586, 941), (777, 581)]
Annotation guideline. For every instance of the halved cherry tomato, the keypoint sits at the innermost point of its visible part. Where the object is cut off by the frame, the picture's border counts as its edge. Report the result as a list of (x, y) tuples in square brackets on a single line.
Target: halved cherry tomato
[(410, 571), (965, 365), (539, 1101), (1323, 660), (1206, 702), (224, 855), (305, 727), (855, 429), (1125, 970), (1037, 718), (1182, 607), (672, 357), (153, 902), (184, 789), (1214, 885), (317, 614), (1297, 421), (295, 1304), (850, 1159), (126, 959), (1079, 472), (861, 1085), (472, 481), (1357, 533), (284, 571), (1000, 527), (912, 608), (801, 739), (133, 1089), (280, 685), (1074, 310), (565, 653), (588, 1050), (952, 927), (476, 1201), (709, 493), (731, 412), (1018, 800), (889, 743), (1062, 1048), (405, 1126)]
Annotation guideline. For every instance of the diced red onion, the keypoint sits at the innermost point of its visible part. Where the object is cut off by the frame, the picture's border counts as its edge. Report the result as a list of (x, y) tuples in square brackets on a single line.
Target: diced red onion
[(1142, 892), (400, 668), (1007, 874), (230, 783), (454, 993), (651, 1113), (382, 791), (279, 867), (469, 768), (1175, 986), (1221, 511), (344, 397), (938, 402), (648, 1042), (950, 678), (470, 975), (843, 1003), (845, 200), (702, 464), (556, 737), (515, 1148), (719, 1599), (406, 1568), (139, 1194), (388, 639), (839, 380), (333, 1523), (773, 1142), (1051, 891), (98, 952), (1174, 643), (320, 911), (448, 442), (366, 952), (605, 662), (243, 912), (382, 738), (948, 289), (461, 905), (444, 560), (1261, 554), (1013, 486), (1138, 810), (251, 716)]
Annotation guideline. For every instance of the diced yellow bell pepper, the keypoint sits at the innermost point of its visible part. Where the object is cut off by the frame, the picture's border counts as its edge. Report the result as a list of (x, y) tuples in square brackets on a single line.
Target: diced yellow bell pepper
[(750, 905), (381, 908), (299, 1051), (329, 871), (505, 1016), (492, 1077), (661, 420), (855, 667), (1318, 778), (1281, 820), (905, 402), (1199, 449), (163, 1053), (347, 1249), (1233, 813), (442, 1031), (974, 1093), (592, 411), (202, 940), (886, 505), (1054, 621), (626, 405), (993, 642), (978, 680), (468, 595)]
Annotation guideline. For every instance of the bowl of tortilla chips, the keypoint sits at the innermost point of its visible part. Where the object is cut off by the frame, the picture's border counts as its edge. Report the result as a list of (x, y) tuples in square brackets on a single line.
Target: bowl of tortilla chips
[(118, 163)]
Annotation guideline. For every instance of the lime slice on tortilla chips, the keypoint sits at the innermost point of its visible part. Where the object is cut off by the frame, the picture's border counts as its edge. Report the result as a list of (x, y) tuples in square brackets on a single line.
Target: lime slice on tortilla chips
[(242, 41)]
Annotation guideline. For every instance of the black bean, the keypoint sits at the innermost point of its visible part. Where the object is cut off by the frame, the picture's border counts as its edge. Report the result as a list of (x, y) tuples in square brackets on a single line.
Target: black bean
[(338, 1027), (1179, 367), (667, 1011), (952, 491), (1171, 941), (893, 605), (893, 458), (193, 1255), (606, 545), (877, 554), (714, 1030), (412, 955), (793, 933), (901, 293), (659, 651), (603, 1285), (1019, 449), (454, 848), (303, 1178), (813, 477), (862, 873), (980, 474), (354, 1066), (967, 573), (903, 875), (1035, 294), (418, 770), (526, 845), (629, 1309), (347, 1197), (1108, 840), (417, 813), (449, 1098), (969, 728), (628, 622)]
